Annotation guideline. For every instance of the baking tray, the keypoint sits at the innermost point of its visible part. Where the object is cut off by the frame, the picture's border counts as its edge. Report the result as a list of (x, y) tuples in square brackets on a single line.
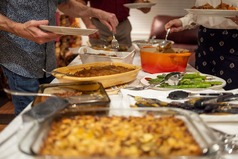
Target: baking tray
[(86, 93), (206, 139)]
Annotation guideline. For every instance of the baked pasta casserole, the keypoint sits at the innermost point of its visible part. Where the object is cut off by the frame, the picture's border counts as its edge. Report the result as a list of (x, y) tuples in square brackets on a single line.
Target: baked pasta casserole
[(116, 136)]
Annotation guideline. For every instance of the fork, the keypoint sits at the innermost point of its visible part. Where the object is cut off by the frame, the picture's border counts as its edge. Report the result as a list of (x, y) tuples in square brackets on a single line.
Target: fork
[(114, 43)]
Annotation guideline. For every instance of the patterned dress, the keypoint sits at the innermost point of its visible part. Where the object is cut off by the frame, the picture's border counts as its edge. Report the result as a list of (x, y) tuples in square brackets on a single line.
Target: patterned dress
[(217, 54)]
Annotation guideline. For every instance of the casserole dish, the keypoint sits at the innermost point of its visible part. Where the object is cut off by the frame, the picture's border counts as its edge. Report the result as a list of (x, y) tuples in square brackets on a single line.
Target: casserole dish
[(42, 139), (153, 61), (80, 93), (106, 80)]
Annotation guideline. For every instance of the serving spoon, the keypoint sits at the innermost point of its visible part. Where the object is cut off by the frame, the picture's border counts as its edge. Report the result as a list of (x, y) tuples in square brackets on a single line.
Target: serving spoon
[(165, 42), (71, 99), (56, 72), (171, 78)]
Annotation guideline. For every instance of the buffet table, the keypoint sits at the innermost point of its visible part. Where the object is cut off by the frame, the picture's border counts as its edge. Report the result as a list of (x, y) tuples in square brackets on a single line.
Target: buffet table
[(9, 150)]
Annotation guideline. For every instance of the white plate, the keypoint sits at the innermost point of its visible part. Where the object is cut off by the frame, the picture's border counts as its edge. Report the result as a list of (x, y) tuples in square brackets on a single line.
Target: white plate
[(139, 5), (214, 78), (213, 12), (67, 30)]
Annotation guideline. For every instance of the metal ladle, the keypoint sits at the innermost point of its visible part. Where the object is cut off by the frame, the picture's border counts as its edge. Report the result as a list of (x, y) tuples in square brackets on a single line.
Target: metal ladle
[(165, 42)]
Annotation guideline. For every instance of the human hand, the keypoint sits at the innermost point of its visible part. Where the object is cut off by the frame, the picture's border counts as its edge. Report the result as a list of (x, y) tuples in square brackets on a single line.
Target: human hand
[(175, 25), (108, 19), (31, 31)]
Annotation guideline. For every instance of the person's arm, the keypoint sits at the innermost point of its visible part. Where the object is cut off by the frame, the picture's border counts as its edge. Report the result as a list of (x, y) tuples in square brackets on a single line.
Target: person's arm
[(75, 8), (176, 25), (188, 21), (28, 30), (88, 23)]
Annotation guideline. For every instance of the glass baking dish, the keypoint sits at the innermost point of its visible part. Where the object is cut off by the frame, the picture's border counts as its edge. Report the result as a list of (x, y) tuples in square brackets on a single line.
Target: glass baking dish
[(208, 142), (78, 93)]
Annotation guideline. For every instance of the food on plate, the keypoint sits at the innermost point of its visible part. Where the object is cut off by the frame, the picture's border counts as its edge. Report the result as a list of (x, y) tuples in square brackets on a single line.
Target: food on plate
[(109, 47), (200, 105), (101, 71), (117, 136), (146, 1), (222, 6), (189, 80)]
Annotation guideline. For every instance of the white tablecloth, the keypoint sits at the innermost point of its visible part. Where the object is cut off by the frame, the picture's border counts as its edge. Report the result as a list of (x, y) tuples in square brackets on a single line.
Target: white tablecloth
[(10, 149)]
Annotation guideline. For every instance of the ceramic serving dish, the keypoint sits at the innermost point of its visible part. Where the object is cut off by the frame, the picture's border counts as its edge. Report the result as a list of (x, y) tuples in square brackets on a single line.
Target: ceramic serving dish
[(106, 80), (153, 61)]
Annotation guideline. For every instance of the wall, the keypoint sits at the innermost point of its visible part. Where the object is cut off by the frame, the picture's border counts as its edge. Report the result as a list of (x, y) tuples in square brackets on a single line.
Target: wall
[(141, 22)]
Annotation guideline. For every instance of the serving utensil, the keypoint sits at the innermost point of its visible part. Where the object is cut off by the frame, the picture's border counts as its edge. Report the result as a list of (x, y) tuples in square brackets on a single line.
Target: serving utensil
[(18, 93), (180, 94), (56, 72), (171, 78), (39, 113), (72, 99), (165, 43), (114, 43)]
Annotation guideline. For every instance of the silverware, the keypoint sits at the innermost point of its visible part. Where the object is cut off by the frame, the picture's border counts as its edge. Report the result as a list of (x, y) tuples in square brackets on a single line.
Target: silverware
[(180, 94), (165, 42), (172, 79), (39, 113), (114, 43), (56, 72), (18, 93)]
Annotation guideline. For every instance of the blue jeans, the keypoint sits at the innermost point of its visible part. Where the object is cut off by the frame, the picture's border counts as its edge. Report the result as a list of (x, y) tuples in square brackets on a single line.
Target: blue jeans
[(23, 84)]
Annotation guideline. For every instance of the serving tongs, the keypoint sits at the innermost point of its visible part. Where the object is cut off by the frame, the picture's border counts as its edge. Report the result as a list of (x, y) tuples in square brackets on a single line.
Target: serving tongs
[(39, 113), (199, 105)]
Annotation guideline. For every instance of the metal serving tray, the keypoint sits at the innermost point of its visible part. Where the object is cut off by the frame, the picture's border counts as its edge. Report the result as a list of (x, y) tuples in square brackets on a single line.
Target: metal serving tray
[(207, 140), (87, 93)]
